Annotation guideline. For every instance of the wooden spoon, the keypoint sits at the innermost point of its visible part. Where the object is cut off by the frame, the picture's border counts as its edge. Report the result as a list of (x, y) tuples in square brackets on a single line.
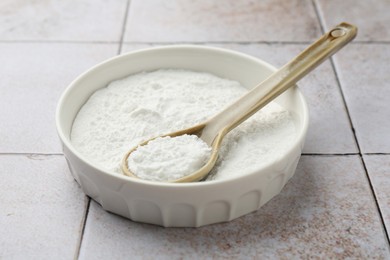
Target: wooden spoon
[(213, 130)]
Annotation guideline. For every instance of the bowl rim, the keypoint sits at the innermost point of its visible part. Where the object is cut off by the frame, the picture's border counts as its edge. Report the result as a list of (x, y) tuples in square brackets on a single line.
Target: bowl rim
[(67, 143)]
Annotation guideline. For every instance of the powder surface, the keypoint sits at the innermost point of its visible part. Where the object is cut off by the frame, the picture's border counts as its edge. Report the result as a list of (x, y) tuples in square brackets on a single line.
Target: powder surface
[(169, 158), (145, 105)]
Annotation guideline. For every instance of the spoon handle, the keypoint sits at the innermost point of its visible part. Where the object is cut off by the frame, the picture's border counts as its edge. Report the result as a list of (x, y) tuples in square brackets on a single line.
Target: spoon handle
[(278, 82)]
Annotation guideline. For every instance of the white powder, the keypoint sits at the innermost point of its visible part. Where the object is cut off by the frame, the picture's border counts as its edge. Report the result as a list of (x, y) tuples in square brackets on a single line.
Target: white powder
[(145, 105), (169, 158)]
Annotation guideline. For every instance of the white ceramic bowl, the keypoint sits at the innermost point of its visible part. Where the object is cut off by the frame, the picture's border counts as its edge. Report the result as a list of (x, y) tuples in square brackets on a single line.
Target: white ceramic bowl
[(187, 204)]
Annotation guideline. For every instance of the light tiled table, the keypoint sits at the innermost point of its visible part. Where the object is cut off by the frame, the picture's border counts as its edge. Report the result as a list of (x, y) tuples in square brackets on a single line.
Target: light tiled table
[(336, 206)]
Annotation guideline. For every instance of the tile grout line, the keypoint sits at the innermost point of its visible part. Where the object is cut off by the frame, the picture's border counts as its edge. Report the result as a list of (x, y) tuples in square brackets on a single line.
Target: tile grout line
[(305, 154), (124, 27), (57, 42), (376, 153), (179, 42), (83, 225), (334, 68), (33, 154), (370, 42), (329, 154)]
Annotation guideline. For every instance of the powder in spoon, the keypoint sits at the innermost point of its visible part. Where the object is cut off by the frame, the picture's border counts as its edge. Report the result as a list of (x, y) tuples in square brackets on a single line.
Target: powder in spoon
[(169, 158), (145, 105)]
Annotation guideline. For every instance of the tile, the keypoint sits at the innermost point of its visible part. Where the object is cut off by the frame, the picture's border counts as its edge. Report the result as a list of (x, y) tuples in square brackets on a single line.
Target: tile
[(74, 20), (371, 17), (329, 129), (325, 211), (233, 21), (42, 208), (33, 78), (364, 75), (378, 167)]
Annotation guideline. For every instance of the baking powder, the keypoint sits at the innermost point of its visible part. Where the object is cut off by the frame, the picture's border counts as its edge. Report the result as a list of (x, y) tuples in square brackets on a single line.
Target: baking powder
[(141, 106), (169, 158)]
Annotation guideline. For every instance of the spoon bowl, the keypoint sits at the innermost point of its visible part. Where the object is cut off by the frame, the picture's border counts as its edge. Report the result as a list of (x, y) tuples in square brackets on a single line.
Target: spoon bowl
[(196, 176)]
